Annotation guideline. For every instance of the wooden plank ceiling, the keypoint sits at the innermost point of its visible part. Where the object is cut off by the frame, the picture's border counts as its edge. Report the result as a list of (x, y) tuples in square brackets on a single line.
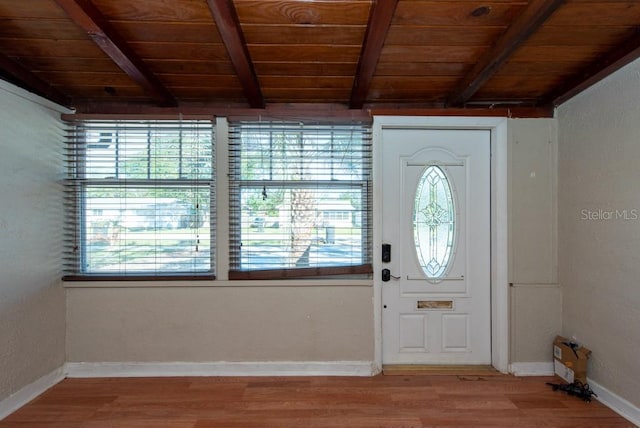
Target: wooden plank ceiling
[(110, 55)]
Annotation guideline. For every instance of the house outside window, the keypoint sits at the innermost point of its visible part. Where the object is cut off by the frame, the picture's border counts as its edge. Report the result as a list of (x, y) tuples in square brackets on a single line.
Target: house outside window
[(139, 198), (300, 200)]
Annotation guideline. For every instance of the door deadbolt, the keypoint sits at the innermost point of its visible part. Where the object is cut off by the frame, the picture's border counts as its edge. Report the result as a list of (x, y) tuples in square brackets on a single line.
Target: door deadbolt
[(386, 253)]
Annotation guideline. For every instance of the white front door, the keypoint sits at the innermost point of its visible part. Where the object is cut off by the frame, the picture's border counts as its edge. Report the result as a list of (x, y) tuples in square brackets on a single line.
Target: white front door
[(436, 219)]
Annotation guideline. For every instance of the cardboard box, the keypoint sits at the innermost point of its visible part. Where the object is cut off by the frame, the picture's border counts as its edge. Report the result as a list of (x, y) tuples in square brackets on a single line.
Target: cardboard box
[(570, 360)]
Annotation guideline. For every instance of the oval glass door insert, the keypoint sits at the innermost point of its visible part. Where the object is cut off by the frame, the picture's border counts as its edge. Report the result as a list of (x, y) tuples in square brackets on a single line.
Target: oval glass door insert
[(434, 220)]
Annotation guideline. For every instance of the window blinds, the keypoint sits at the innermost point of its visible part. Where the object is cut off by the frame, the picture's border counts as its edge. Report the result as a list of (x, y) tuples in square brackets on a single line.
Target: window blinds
[(300, 200), (139, 198)]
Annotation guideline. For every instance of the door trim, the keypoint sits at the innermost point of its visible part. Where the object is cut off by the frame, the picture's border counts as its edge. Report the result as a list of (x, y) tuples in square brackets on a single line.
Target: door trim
[(499, 224)]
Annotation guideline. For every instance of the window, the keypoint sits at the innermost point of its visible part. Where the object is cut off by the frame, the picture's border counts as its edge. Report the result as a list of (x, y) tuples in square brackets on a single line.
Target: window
[(140, 199), (300, 200), (434, 223)]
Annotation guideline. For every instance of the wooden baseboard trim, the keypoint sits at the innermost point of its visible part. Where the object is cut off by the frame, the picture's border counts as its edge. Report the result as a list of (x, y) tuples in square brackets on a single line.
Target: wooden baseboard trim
[(616, 403), (29, 392), (532, 369), (223, 368)]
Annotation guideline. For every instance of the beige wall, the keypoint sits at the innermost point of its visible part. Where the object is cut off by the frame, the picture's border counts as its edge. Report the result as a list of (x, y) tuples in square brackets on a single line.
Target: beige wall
[(597, 145), (313, 320), (535, 298), (200, 324), (264, 322), (319, 323), (32, 304), (599, 158)]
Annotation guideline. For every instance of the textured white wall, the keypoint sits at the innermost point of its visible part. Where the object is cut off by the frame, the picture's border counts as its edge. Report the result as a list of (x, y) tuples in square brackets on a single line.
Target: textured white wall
[(32, 314), (599, 164), (535, 298)]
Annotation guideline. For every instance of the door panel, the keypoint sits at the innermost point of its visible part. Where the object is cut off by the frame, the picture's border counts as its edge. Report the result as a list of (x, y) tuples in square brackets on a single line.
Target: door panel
[(413, 328), (437, 303)]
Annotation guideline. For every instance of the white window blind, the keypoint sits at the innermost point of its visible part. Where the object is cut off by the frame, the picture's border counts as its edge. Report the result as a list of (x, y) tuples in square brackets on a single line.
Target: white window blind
[(300, 200), (140, 199)]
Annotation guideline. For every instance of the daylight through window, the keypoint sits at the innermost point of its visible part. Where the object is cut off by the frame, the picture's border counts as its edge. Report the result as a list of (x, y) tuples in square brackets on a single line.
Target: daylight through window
[(140, 198), (300, 200)]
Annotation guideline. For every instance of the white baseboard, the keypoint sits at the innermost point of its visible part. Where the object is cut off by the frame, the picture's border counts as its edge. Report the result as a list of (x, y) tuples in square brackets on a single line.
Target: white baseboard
[(223, 368), (29, 392), (531, 369), (616, 403)]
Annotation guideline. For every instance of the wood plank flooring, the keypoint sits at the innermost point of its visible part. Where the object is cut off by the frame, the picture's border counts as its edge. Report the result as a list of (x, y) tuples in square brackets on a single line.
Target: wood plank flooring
[(379, 401)]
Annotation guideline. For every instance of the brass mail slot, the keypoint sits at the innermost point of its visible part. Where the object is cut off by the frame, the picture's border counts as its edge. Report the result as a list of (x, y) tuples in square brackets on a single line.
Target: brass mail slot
[(435, 304)]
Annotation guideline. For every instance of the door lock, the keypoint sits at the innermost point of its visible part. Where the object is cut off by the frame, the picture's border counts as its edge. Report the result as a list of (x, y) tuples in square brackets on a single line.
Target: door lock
[(386, 275), (386, 253)]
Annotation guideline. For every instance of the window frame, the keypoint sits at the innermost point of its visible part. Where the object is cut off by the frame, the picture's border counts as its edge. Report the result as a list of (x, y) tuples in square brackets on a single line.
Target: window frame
[(237, 185), (78, 183)]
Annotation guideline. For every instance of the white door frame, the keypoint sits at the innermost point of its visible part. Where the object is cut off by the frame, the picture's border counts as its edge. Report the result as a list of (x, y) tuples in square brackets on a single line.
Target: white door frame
[(499, 224)]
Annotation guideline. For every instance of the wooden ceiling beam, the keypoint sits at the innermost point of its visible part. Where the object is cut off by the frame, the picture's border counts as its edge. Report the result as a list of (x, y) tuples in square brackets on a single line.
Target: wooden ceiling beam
[(228, 25), (536, 13), (379, 21), (89, 18), (318, 112), (32, 82), (622, 55), (323, 112)]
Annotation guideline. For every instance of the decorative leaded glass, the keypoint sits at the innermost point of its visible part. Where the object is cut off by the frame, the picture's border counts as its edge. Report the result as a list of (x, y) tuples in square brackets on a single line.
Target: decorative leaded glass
[(434, 222)]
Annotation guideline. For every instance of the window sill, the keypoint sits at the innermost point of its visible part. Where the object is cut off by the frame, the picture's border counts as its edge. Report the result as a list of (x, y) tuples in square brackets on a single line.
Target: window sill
[(220, 283), (138, 278)]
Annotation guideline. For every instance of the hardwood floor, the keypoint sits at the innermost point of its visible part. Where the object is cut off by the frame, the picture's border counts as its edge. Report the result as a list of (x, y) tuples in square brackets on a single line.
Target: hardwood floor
[(380, 401)]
